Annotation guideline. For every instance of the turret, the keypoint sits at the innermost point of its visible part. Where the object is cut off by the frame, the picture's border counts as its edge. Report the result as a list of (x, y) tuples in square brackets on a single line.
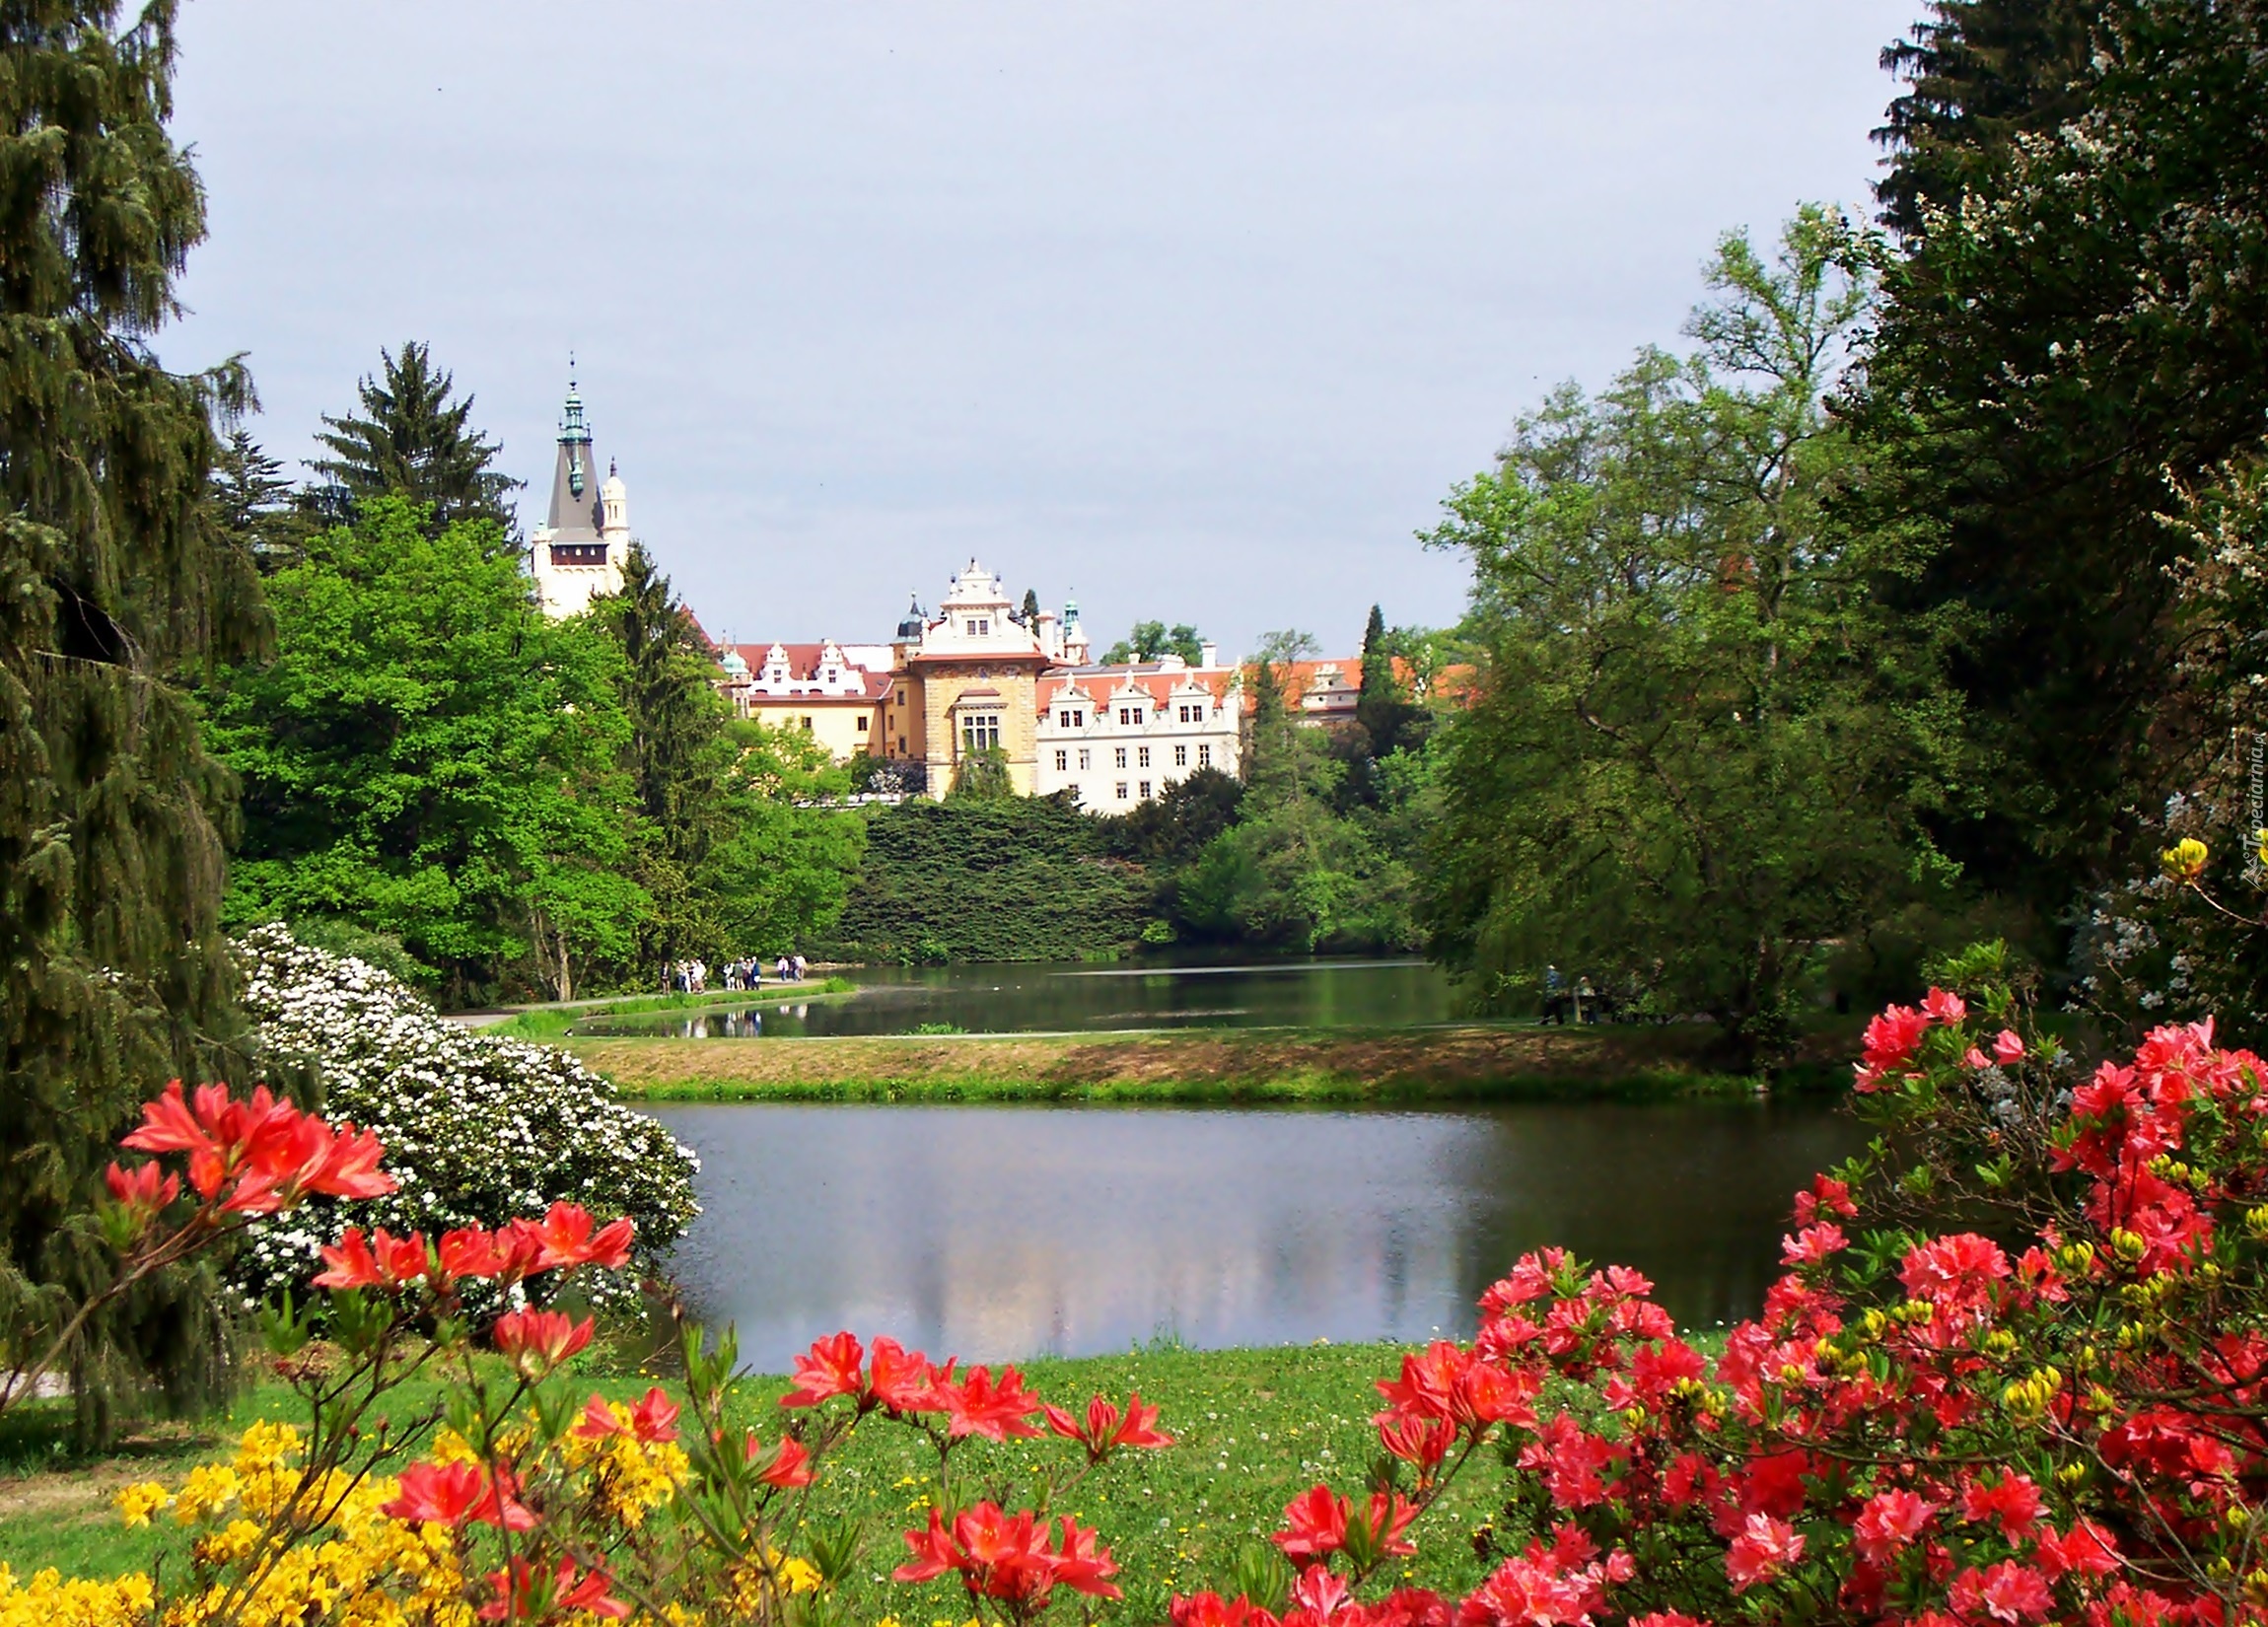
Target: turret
[(613, 507)]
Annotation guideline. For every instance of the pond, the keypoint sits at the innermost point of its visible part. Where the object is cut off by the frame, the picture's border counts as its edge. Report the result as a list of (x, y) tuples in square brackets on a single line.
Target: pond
[(1009, 998), (1001, 1233)]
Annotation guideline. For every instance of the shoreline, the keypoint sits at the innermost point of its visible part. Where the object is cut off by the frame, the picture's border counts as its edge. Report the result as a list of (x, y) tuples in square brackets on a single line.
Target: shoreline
[(1470, 1062)]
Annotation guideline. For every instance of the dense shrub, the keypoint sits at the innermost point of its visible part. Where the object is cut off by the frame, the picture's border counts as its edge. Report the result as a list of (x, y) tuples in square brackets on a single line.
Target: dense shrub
[(476, 1128), (988, 879)]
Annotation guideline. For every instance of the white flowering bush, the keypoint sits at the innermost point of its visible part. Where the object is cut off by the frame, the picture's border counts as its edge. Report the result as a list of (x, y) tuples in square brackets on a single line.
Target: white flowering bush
[(477, 1129)]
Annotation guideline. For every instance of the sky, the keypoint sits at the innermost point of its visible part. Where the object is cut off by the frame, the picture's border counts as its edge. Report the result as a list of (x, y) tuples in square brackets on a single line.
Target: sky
[(1189, 309)]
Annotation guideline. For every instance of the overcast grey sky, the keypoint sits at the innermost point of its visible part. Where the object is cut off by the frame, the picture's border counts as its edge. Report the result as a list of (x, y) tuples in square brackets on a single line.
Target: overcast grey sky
[(1194, 310)]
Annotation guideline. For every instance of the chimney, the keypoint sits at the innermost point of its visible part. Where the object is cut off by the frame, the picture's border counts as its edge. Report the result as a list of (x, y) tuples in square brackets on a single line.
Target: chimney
[(1208, 654)]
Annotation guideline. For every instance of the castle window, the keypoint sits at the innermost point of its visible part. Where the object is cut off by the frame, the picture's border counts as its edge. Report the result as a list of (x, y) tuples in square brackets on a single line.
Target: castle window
[(1085, 758), (1121, 790), (807, 726), (1063, 719), (1181, 756), (1078, 719), (862, 723), (1062, 761), (979, 626), (1204, 757), (1144, 790), (980, 733), (1142, 758), (1121, 764)]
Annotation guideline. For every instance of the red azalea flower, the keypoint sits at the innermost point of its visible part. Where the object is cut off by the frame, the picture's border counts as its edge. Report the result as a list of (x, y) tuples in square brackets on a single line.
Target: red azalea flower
[(830, 1368), (530, 1595), (143, 1192), (450, 1494), (1889, 1520), (783, 1467), (2011, 1502), (1102, 1432), (2008, 1592), (1827, 1196), (1212, 1611), (1891, 1038), (566, 1240), (536, 1341), (2007, 1048), (993, 1408), (1958, 1272), (1314, 1525), (381, 1260), (1764, 1548), (1813, 1244), (1944, 1006), (901, 1380), (1425, 1442), (1008, 1557), (297, 1154)]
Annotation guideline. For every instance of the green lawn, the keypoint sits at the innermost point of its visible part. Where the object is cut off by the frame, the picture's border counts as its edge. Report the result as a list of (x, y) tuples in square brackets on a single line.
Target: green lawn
[(1254, 1427)]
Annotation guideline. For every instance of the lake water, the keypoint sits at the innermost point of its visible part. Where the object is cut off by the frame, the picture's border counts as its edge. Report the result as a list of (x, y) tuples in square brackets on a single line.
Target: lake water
[(1006, 998), (1000, 1232)]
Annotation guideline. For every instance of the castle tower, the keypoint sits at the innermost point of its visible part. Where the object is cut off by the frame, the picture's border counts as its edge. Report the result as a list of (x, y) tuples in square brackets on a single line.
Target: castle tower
[(577, 553)]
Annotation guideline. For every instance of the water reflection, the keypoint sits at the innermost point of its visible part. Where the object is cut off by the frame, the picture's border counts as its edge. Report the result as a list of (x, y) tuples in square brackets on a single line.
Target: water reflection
[(1040, 998), (1003, 1232)]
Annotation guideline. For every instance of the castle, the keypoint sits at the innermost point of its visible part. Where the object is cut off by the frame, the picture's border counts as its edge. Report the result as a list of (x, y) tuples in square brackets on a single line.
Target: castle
[(577, 553), (982, 679)]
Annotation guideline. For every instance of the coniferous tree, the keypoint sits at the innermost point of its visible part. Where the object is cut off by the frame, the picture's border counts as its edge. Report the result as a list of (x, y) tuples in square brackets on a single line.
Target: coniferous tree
[(680, 756), (114, 973), (411, 439), (251, 501)]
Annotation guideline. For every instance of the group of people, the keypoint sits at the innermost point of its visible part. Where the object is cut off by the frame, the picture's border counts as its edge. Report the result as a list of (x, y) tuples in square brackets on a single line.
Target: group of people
[(1589, 1004), (693, 976)]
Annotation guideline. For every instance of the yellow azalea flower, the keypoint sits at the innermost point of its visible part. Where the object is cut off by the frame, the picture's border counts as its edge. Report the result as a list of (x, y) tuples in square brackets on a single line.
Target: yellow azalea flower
[(2185, 860), (136, 1503), (209, 1487), (266, 1447)]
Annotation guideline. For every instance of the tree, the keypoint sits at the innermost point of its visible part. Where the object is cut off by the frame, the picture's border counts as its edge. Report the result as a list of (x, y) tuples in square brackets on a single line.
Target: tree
[(787, 860), (114, 973), (1152, 639), (1695, 756), (2089, 324), (1030, 610), (679, 758), (251, 502), (1979, 76), (1383, 708), (428, 755), (412, 441)]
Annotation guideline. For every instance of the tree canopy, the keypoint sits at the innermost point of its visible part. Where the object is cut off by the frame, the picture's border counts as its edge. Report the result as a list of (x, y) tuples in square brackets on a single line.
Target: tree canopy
[(1151, 639), (1694, 758), (411, 439)]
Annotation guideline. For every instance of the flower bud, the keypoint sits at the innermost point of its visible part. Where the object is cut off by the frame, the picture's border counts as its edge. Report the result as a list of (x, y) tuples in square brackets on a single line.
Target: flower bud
[(2127, 1245)]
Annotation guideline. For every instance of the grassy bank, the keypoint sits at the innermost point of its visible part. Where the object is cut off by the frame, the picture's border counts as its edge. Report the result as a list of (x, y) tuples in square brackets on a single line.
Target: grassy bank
[(1253, 1426), (1466, 1063)]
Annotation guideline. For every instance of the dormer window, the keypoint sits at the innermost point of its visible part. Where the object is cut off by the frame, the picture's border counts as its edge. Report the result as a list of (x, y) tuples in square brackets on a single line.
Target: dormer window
[(979, 626)]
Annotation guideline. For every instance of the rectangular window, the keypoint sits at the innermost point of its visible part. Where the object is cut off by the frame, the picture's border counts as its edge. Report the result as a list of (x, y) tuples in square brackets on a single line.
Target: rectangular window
[(1121, 790), (1121, 764), (1144, 790), (807, 726), (1185, 718), (1079, 718), (862, 723), (1062, 761), (979, 625), (1142, 758), (1063, 719), (1204, 757), (1181, 756), (1085, 758), (981, 734)]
